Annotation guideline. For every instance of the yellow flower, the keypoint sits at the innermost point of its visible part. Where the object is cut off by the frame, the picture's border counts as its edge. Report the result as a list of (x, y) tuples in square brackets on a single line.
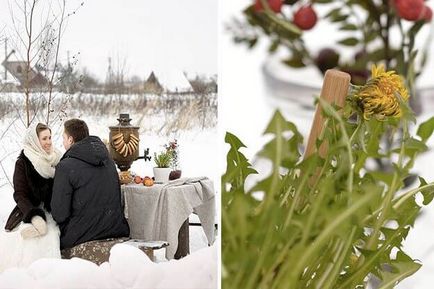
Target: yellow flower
[(379, 96)]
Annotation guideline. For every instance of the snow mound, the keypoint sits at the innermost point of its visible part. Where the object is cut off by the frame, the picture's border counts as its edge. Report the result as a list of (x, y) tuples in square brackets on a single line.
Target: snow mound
[(128, 267)]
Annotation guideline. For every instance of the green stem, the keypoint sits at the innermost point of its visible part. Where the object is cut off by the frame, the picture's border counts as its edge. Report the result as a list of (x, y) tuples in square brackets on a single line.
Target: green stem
[(325, 234), (346, 139), (318, 201), (230, 236), (361, 160), (387, 202), (356, 131), (368, 265), (274, 187), (295, 200), (329, 280), (258, 266), (270, 272), (396, 203)]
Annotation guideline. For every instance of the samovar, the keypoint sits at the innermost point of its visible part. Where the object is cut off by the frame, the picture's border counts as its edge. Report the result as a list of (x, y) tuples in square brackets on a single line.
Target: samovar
[(124, 142)]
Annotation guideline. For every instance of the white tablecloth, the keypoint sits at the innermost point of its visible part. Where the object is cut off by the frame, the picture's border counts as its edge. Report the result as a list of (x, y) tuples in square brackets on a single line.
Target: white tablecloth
[(157, 212)]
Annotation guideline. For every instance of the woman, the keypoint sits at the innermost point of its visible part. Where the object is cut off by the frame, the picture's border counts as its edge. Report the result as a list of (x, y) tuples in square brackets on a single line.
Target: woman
[(31, 232)]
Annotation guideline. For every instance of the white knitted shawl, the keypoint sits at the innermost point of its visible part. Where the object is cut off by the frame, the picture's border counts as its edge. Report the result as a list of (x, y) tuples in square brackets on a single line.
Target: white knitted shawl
[(43, 162)]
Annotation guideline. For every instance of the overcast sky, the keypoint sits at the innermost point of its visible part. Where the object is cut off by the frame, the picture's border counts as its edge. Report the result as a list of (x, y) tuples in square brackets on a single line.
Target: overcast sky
[(149, 34)]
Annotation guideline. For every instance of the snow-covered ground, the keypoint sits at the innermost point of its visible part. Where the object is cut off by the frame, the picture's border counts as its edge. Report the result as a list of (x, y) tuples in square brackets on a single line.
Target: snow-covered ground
[(128, 267), (198, 156)]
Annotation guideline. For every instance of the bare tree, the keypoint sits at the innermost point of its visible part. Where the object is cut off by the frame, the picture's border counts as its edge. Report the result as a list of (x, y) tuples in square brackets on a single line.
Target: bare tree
[(29, 32), (202, 84), (40, 42), (56, 57), (88, 81), (116, 74)]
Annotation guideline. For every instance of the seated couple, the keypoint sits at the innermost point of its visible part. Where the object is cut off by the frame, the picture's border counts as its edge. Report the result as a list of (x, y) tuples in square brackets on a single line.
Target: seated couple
[(79, 190)]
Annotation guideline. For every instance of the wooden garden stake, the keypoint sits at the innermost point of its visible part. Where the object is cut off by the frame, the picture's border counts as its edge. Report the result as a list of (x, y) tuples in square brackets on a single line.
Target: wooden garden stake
[(334, 90)]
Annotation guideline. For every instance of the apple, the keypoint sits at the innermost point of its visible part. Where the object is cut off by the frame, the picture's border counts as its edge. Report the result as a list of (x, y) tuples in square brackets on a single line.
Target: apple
[(138, 180), (148, 182)]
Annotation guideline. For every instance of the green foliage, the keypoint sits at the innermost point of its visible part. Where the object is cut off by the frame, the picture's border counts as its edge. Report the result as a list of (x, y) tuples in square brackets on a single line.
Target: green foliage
[(366, 26), (163, 159), (329, 222)]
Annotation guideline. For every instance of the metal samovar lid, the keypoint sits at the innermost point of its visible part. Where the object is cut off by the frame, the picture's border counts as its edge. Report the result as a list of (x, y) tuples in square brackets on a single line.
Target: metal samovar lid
[(124, 122)]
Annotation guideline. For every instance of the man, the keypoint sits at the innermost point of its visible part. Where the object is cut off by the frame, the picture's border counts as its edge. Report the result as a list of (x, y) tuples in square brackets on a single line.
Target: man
[(86, 201)]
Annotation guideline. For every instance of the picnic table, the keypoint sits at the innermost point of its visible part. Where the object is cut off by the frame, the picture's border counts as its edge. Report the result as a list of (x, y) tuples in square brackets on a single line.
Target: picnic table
[(160, 211)]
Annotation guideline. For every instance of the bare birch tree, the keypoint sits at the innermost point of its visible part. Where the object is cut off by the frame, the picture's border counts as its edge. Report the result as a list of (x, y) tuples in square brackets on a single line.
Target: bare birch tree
[(40, 41)]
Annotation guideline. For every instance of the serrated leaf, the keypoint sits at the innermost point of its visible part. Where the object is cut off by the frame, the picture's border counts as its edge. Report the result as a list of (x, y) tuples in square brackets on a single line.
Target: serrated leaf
[(238, 167), (233, 141), (428, 194), (280, 148), (382, 176), (412, 146), (278, 124), (426, 129), (299, 224), (403, 267), (406, 111)]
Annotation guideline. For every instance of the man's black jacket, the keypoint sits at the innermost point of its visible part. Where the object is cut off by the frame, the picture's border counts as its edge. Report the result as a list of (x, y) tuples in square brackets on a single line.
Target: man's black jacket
[(86, 200)]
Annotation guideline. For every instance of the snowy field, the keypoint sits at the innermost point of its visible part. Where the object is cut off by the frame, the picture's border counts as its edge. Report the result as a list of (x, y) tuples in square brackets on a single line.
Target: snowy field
[(196, 132)]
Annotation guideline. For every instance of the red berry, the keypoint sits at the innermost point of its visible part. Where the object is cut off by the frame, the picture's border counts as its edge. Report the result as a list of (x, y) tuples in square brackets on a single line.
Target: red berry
[(305, 18), (327, 58), (427, 14), (411, 10), (275, 5)]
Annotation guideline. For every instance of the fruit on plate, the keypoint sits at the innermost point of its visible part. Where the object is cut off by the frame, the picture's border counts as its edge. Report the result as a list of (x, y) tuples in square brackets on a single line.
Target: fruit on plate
[(138, 180), (148, 182)]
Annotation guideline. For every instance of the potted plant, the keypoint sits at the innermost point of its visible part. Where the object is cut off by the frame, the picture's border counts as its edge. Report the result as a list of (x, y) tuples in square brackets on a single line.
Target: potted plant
[(173, 148), (162, 169), (329, 220)]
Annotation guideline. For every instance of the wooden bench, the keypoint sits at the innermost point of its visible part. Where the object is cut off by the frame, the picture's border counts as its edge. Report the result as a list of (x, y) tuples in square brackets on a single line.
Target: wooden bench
[(98, 251)]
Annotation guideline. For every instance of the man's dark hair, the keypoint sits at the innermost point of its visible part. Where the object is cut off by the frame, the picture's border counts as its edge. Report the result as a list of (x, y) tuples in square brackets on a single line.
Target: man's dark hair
[(76, 128)]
